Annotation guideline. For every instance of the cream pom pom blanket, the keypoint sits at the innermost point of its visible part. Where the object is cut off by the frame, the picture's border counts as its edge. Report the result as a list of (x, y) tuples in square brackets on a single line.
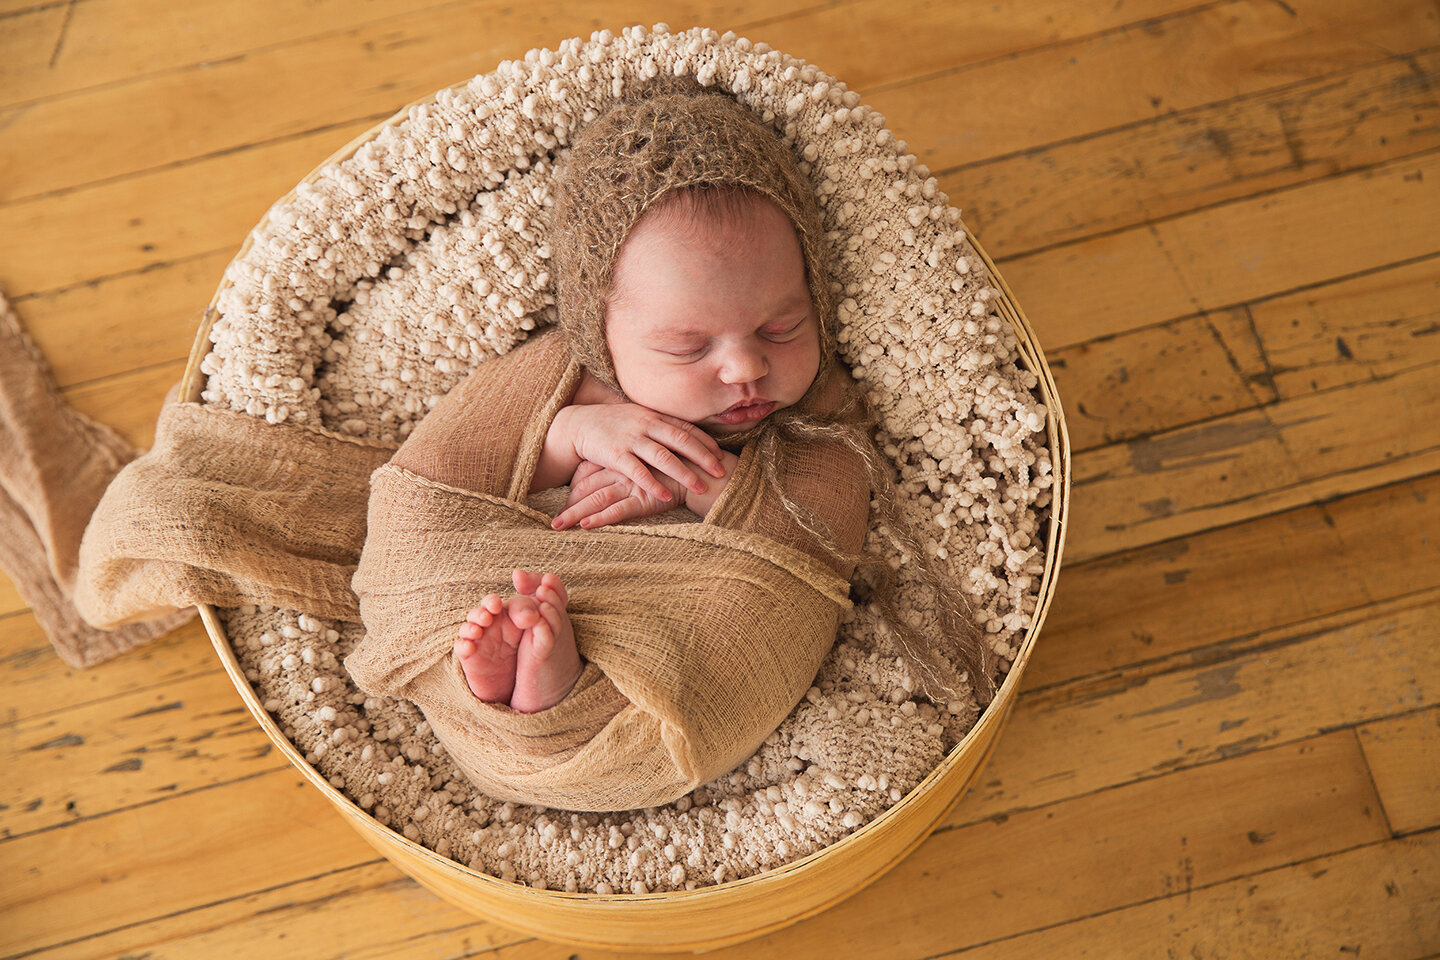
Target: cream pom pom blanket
[(384, 279)]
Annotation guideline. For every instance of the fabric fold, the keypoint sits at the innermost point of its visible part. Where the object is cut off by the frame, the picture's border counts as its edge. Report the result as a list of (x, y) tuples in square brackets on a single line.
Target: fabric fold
[(227, 509), (699, 638), (55, 465)]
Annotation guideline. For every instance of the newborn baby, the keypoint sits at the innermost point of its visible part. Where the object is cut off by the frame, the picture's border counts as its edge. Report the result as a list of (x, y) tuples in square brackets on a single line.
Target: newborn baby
[(693, 364), (711, 329)]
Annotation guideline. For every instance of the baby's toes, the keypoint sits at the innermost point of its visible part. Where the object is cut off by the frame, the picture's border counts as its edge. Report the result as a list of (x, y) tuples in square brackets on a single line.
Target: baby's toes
[(542, 636), (471, 631), (556, 586), (485, 614), (525, 581), (524, 612)]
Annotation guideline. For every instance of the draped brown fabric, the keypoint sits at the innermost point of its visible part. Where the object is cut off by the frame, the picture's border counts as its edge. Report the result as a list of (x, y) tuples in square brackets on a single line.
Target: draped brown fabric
[(55, 465), (226, 509), (699, 638)]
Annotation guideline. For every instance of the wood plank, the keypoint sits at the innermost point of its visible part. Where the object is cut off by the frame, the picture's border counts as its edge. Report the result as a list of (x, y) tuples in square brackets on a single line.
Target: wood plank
[(129, 402), (1199, 157), (10, 600), (365, 912), (1143, 71), (1071, 860), (1276, 691), (1377, 901), (862, 55), (126, 750), (1404, 758), (119, 325), (876, 47), (35, 682), (68, 230), (163, 858), (1117, 388), (1181, 595), (1253, 463), (23, 6), (1145, 720), (58, 48), (1106, 383), (1158, 836), (1227, 255), (1343, 333), (1018, 202), (1123, 77), (154, 221)]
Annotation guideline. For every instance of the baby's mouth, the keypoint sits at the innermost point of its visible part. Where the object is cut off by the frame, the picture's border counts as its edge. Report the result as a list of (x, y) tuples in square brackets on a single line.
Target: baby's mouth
[(746, 411)]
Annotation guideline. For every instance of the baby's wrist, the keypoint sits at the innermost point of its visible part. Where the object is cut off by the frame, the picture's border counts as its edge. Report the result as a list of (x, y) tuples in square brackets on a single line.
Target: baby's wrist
[(700, 503), (559, 458)]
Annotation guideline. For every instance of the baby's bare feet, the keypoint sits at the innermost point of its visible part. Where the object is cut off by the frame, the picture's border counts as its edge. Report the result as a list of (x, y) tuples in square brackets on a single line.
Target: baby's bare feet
[(547, 663), (521, 650), (486, 650)]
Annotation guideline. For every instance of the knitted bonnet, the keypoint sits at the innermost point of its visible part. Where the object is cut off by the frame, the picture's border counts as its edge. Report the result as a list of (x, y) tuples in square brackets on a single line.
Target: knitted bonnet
[(666, 135)]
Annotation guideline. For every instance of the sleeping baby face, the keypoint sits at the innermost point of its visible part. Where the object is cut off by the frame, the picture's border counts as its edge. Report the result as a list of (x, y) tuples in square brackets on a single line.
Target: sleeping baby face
[(710, 318)]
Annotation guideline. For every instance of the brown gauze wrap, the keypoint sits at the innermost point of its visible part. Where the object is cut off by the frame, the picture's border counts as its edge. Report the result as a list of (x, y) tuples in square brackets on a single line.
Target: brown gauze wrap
[(699, 637)]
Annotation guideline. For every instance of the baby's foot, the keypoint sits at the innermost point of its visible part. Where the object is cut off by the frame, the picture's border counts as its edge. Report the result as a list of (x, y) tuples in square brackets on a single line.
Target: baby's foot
[(547, 663), (486, 650)]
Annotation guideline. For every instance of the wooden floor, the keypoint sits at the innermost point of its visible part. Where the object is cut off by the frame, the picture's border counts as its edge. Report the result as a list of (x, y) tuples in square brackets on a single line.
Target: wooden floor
[(1223, 219)]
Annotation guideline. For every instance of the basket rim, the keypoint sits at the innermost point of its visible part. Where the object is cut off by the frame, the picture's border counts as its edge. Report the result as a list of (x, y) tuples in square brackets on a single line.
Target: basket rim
[(1059, 438), (988, 726)]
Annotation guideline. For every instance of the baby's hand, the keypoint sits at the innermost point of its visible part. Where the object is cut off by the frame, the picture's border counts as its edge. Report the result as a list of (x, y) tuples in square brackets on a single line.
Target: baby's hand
[(630, 439), (600, 496)]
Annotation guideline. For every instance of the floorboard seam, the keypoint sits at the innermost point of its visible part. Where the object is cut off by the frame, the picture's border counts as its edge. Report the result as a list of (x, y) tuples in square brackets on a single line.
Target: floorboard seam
[(1190, 891)]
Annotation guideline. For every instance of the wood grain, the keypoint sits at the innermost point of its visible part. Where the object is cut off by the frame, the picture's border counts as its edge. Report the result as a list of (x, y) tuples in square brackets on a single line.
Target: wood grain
[(1379, 900), (1361, 329), (1404, 758), (160, 858), (1072, 90), (1256, 462), (1146, 719), (34, 682), (1179, 596), (1131, 844), (1218, 217), (364, 912), (1224, 256), (129, 749), (1198, 157)]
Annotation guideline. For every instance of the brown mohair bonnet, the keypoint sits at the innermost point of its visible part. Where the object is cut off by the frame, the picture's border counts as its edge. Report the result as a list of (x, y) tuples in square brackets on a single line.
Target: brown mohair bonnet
[(662, 136)]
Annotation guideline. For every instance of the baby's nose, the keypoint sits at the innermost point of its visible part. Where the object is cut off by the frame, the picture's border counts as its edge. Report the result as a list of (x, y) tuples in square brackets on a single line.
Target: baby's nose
[(744, 366)]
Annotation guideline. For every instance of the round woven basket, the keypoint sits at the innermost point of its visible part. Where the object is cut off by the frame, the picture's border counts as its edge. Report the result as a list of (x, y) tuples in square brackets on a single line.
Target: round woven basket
[(736, 910)]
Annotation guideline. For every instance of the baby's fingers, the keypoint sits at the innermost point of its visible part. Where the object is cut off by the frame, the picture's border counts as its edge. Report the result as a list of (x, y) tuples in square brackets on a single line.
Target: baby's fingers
[(627, 509), (633, 467), (690, 441), (586, 506)]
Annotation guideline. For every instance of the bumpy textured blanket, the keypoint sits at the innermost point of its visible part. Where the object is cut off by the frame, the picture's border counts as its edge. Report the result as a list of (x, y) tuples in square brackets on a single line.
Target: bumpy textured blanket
[(699, 637)]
